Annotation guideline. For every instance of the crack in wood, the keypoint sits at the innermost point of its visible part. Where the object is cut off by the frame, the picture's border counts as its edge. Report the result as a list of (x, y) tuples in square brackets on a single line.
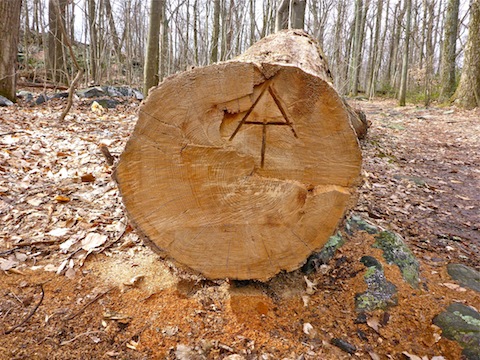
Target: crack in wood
[(265, 123)]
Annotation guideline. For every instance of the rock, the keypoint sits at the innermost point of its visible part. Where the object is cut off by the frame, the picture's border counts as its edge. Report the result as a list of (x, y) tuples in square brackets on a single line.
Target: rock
[(96, 91), (25, 95), (356, 223), (108, 103), (325, 255), (380, 293), (126, 91), (461, 324), (41, 99), (60, 95), (112, 91), (466, 276), (5, 102), (395, 251)]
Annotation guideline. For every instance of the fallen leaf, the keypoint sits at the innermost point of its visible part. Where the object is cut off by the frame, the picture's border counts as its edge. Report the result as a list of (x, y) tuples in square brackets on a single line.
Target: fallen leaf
[(373, 323), (62, 199), (411, 356), (7, 264), (93, 240), (58, 232), (87, 178)]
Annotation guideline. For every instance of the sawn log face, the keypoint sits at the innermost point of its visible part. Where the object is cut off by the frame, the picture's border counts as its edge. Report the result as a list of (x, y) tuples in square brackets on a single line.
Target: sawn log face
[(240, 169)]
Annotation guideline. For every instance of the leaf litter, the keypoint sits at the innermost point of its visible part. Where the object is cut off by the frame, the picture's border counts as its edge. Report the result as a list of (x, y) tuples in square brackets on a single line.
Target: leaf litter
[(108, 295)]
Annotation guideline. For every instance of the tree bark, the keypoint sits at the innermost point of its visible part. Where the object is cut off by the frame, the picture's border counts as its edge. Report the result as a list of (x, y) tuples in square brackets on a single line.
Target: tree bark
[(447, 70), (56, 19), (467, 94), (242, 169), (151, 68), (403, 84), (9, 33)]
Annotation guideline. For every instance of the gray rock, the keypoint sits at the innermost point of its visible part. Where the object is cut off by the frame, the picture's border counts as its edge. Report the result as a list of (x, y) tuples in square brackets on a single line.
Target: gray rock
[(325, 255), (380, 293), (395, 251), (466, 276), (108, 103), (91, 92), (356, 223), (25, 95), (461, 324), (60, 95), (41, 99), (4, 101)]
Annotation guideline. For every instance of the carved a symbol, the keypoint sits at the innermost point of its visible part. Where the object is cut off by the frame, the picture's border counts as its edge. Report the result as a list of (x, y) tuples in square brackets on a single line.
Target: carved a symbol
[(264, 123)]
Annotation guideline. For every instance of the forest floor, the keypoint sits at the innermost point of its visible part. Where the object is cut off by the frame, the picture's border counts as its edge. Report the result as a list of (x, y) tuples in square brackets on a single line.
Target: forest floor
[(77, 282)]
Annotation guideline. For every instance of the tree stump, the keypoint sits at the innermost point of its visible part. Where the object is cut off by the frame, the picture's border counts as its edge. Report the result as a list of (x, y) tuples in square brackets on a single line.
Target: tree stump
[(242, 169)]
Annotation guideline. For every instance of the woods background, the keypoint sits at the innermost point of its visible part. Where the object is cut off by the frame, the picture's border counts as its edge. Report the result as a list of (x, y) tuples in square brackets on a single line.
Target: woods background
[(367, 42)]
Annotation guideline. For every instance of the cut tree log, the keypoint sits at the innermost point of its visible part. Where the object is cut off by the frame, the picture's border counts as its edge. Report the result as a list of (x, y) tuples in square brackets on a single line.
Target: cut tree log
[(242, 169)]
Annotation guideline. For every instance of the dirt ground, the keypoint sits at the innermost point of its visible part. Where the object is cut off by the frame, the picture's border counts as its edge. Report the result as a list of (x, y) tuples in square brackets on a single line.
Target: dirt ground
[(77, 282)]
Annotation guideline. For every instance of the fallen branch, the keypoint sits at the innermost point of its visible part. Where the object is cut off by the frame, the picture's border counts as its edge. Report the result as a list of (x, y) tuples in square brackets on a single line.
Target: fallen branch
[(98, 297), (29, 315), (71, 90)]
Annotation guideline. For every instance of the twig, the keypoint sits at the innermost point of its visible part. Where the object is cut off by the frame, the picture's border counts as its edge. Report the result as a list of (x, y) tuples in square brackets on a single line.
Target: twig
[(29, 315), (76, 337), (99, 296), (12, 132), (39, 242)]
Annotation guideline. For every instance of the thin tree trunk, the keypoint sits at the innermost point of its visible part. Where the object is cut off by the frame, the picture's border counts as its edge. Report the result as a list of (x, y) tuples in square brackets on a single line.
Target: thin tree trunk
[(151, 67), (403, 84), (375, 56), (215, 32)]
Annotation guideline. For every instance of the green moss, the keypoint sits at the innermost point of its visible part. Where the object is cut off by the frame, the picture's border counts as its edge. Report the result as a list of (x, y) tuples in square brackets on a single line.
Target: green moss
[(356, 223), (380, 293), (395, 251), (468, 319), (324, 255)]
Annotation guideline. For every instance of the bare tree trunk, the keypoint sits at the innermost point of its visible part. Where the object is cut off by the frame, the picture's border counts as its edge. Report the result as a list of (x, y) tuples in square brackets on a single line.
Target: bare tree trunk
[(357, 49), (429, 51), (447, 69), (9, 33), (290, 14), (375, 55), (467, 94), (113, 29), (216, 31), (403, 84), (55, 40), (93, 46), (151, 67)]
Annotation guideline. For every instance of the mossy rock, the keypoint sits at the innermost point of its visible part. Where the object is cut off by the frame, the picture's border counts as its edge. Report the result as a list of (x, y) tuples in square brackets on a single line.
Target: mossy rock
[(395, 251), (461, 324), (325, 255), (466, 276), (356, 223), (380, 293)]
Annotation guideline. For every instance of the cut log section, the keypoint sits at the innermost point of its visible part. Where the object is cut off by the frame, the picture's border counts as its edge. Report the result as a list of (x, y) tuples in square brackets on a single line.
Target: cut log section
[(242, 169)]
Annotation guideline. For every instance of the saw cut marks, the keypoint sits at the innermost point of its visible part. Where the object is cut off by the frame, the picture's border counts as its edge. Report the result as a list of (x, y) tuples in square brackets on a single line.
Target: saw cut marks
[(266, 89)]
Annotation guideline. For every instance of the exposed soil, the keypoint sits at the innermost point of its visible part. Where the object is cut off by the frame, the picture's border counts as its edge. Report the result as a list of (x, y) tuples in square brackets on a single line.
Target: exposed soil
[(112, 297)]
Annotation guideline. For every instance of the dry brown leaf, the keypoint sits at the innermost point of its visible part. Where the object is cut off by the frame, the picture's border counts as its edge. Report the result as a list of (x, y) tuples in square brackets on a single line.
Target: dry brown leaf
[(61, 198)]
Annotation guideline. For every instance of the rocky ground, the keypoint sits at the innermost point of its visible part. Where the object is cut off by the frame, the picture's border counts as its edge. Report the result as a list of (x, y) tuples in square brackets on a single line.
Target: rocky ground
[(77, 282)]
